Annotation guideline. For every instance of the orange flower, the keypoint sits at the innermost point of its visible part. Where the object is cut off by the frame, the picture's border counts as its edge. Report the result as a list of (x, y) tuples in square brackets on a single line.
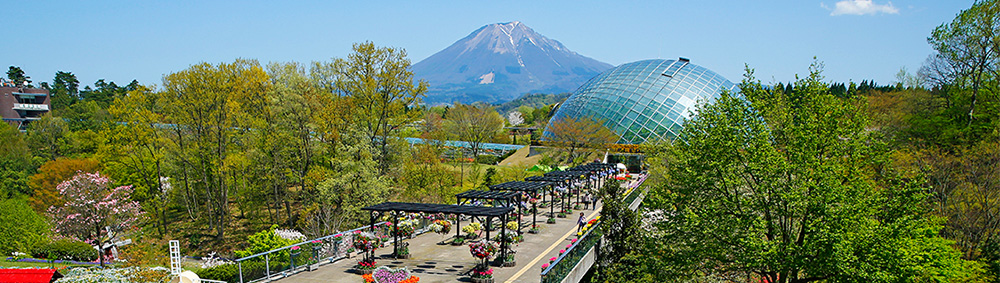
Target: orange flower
[(368, 278)]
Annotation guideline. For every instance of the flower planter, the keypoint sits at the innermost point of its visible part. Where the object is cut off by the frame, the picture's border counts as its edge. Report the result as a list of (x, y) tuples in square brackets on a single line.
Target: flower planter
[(561, 215), (550, 221), (403, 256), (508, 263), (533, 231), (363, 271), (482, 280)]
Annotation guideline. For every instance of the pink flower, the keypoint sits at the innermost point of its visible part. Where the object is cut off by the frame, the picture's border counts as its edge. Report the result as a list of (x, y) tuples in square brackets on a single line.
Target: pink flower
[(295, 248), (552, 259), (568, 246), (544, 266), (562, 251), (572, 241)]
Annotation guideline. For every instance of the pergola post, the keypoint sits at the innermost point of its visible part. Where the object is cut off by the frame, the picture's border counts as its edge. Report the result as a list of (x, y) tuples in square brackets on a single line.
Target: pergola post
[(488, 226), (503, 244), (395, 234)]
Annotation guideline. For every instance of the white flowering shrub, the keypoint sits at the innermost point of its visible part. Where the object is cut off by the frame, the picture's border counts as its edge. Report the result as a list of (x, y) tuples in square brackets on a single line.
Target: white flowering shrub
[(212, 260), (289, 234)]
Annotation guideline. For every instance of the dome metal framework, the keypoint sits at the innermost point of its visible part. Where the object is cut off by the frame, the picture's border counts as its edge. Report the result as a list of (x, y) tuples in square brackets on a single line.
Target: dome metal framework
[(644, 100)]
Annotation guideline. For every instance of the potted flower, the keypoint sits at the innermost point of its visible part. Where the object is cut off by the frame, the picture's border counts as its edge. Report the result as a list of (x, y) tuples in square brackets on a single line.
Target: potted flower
[(458, 241), (365, 266), (404, 251), (482, 275), (535, 229), (471, 230), (483, 251), (296, 251), (562, 214), (366, 243), (551, 220), (513, 226)]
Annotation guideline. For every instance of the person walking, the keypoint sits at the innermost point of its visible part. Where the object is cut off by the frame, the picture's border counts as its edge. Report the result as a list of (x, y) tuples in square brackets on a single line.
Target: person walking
[(580, 222), (587, 200)]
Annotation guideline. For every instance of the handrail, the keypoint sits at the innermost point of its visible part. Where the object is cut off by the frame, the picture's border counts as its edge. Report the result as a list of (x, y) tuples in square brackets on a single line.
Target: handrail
[(285, 269), (309, 241), (578, 242), (632, 194)]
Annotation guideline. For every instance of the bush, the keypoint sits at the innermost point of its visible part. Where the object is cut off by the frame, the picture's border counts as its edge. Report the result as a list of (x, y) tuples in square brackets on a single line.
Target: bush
[(231, 273), (64, 249), (487, 159), (21, 227), (266, 240)]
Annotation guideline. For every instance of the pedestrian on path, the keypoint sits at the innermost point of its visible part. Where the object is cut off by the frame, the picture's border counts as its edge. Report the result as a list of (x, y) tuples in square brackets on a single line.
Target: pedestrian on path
[(587, 200), (582, 221)]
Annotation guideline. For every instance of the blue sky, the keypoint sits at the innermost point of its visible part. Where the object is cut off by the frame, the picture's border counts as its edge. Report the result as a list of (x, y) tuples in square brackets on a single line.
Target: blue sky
[(124, 40)]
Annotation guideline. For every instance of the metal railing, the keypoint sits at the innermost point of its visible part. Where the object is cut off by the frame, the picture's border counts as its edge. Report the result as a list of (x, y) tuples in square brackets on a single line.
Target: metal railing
[(568, 260), (288, 260), (565, 263)]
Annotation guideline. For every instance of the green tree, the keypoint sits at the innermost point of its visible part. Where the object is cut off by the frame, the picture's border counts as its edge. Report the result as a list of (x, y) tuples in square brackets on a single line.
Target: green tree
[(356, 184), (21, 228), (475, 124), (968, 58), (49, 136), (65, 90), (136, 151), (791, 187), (16, 165), (16, 75), (212, 108), (379, 87)]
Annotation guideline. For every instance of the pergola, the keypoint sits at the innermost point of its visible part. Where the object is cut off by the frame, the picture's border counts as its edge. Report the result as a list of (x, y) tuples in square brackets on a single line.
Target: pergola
[(487, 212), (594, 171), (519, 187), (552, 180), (570, 176), (504, 199)]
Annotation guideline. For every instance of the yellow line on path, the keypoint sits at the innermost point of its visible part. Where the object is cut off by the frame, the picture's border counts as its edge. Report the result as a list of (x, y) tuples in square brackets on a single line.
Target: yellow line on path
[(546, 252)]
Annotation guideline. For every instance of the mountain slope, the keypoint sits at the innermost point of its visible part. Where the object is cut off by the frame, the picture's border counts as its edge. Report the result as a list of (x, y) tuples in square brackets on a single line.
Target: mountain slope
[(500, 62)]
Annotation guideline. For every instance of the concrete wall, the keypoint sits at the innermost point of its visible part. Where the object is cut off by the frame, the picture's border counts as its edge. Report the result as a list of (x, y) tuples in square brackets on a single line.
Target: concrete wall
[(582, 266)]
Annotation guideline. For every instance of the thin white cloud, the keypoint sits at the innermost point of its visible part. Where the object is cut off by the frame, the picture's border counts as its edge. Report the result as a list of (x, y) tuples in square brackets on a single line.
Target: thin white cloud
[(860, 7)]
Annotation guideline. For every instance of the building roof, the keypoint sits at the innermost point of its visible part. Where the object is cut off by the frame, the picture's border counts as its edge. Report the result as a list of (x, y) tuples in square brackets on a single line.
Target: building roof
[(28, 275), (644, 100)]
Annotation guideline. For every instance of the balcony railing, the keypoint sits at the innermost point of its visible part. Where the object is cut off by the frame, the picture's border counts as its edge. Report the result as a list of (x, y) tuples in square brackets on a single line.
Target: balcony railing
[(31, 107)]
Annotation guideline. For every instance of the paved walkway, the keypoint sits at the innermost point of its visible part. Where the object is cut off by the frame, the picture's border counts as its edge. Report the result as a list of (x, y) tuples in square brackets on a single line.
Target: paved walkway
[(433, 261)]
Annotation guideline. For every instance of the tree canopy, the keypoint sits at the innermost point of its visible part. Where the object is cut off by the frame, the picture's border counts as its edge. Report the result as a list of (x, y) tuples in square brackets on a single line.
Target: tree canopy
[(792, 187)]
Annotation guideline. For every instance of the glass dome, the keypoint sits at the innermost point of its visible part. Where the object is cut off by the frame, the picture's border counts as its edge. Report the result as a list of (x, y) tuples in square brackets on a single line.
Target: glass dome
[(645, 100)]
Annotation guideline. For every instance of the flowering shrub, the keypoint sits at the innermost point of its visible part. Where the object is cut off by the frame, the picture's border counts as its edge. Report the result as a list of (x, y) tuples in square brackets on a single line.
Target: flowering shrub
[(212, 260), (15, 256), (483, 250), (91, 202), (289, 234)]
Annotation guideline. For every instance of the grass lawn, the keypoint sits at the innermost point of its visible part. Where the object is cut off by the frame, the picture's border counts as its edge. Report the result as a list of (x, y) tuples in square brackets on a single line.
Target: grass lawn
[(9, 264)]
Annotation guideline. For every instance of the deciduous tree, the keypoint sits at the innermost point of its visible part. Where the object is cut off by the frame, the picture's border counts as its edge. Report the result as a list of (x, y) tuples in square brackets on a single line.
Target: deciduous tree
[(792, 187), (94, 209), (572, 134), (381, 91)]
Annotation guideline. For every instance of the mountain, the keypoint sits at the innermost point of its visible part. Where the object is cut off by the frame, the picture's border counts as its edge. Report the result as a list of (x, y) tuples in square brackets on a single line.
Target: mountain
[(501, 62)]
